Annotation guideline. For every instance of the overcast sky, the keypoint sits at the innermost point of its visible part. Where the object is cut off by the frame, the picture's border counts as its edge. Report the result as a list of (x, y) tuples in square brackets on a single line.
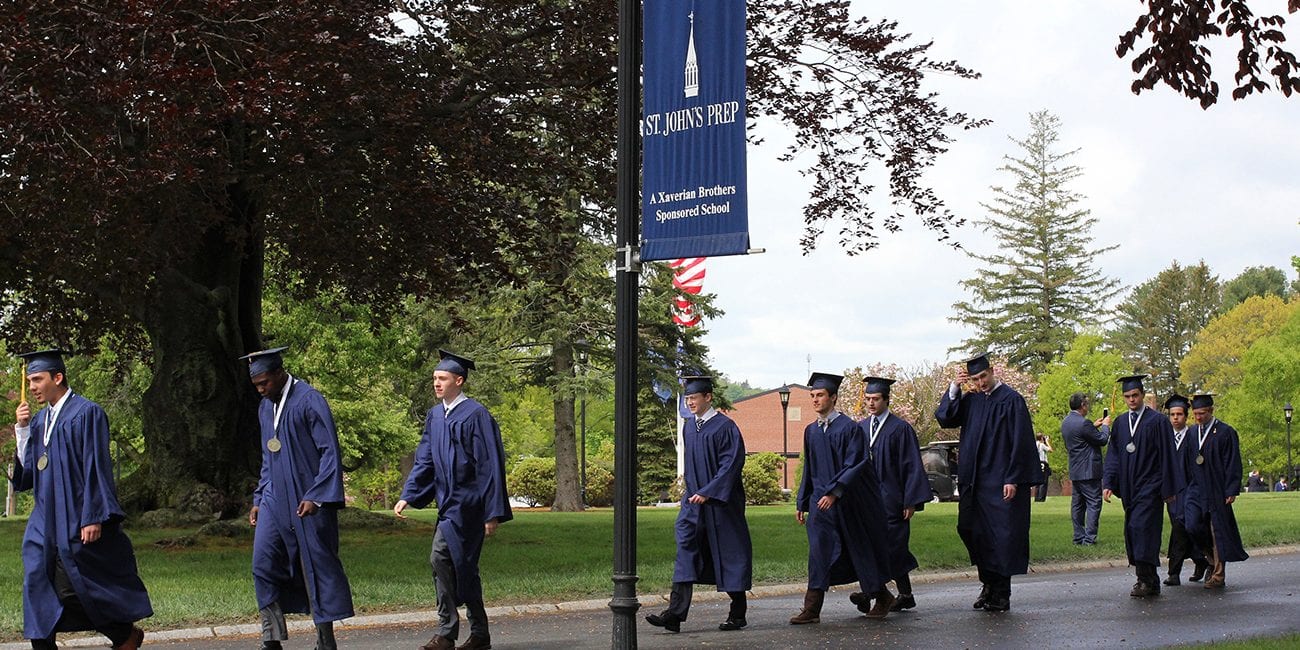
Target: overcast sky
[(1166, 179)]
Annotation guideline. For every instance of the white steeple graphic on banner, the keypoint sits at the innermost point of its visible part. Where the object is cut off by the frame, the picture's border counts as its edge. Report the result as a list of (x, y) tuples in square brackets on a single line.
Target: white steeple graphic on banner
[(692, 85)]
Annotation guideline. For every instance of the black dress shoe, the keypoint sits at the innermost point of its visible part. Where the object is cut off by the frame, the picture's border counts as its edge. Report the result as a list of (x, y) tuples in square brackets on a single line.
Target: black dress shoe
[(983, 599), (904, 601), (1144, 590), (862, 601), (666, 621), (1172, 581), (1198, 573), (271, 645), (732, 624), (996, 604)]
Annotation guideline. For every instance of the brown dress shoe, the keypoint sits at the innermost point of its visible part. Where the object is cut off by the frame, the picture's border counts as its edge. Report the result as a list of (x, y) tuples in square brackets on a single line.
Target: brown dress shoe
[(475, 643), (439, 643), (1214, 583), (812, 608), (883, 602), (132, 642)]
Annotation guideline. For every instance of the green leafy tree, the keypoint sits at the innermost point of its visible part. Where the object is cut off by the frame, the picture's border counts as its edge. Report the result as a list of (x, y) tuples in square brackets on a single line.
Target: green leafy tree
[(1030, 296), (1214, 361), (1255, 281), (1270, 379), (1085, 366), (1158, 320)]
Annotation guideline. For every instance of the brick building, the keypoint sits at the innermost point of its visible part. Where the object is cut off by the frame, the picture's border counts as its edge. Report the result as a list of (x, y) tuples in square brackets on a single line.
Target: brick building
[(759, 419)]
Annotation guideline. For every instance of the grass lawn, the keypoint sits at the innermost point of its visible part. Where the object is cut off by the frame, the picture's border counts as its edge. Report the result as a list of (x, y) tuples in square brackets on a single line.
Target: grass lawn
[(548, 557)]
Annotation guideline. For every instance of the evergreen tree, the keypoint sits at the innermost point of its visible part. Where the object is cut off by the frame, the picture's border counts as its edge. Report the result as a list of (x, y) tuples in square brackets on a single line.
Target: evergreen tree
[(1032, 294), (1159, 319)]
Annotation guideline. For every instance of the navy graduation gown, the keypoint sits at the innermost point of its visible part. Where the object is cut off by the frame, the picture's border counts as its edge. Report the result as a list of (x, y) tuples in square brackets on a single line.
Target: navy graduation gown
[(1211, 483), (75, 490), (1181, 474), (896, 455), (460, 465), (849, 542), (296, 559), (1142, 479), (997, 448), (713, 545)]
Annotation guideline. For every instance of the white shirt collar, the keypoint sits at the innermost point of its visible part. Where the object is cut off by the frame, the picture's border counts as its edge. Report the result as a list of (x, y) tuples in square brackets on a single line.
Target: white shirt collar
[(707, 414), (448, 406)]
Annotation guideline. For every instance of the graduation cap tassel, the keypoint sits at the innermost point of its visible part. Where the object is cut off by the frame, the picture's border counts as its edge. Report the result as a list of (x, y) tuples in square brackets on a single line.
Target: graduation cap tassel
[(22, 385)]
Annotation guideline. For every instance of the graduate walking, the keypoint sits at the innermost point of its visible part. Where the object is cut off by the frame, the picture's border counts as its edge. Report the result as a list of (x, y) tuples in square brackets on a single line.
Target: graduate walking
[(895, 454), (839, 503), (1139, 469), (713, 546), (460, 465), (296, 566), (79, 570), (1214, 483), (998, 465), (1181, 547)]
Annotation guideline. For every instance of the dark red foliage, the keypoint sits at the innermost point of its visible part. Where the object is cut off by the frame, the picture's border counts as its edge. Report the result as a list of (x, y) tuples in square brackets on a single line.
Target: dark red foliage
[(1177, 52)]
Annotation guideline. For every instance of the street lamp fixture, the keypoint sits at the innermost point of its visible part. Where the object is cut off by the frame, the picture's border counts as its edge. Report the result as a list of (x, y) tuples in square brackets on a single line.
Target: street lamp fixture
[(784, 393)]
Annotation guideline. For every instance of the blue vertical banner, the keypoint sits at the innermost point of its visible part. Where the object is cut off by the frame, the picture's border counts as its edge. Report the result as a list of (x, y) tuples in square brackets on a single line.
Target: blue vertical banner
[(694, 195)]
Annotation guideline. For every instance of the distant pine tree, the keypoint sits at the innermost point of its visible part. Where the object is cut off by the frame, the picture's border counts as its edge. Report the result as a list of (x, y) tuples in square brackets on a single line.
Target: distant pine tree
[(1032, 294)]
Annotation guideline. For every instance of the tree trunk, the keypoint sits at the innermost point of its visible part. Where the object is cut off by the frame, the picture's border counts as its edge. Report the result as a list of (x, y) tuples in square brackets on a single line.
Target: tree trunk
[(201, 431), (568, 487)]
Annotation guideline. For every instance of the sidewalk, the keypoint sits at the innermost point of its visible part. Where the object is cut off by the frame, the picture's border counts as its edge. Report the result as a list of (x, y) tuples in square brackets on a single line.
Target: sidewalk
[(649, 603)]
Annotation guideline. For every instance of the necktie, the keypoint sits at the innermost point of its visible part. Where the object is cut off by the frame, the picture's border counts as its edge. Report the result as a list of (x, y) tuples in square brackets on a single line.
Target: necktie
[(1178, 438), (822, 424), (699, 423), (873, 426), (1132, 421)]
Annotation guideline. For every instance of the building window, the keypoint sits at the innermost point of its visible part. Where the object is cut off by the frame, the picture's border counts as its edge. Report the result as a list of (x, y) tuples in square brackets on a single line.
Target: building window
[(794, 414)]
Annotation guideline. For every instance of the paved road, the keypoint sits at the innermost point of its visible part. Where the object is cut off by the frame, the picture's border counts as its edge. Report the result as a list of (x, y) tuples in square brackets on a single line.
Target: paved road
[(1089, 609)]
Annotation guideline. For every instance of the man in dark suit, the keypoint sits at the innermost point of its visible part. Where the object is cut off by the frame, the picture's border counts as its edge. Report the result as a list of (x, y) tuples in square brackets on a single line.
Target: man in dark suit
[(1083, 443)]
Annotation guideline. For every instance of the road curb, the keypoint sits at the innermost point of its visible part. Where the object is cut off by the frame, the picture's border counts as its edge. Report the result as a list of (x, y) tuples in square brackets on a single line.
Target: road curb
[(427, 616)]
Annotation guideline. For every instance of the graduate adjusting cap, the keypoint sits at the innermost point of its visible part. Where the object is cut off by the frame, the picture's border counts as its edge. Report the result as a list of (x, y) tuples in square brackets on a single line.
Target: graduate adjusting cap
[(1177, 401), (1203, 400), (697, 384), (877, 385), (454, 363), (264, 360), (825, 380), (1131, 382), (45, 360), (977, 364)]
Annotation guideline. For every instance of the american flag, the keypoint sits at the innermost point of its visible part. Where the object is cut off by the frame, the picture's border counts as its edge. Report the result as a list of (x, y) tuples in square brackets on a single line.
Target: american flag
[(688, 277)]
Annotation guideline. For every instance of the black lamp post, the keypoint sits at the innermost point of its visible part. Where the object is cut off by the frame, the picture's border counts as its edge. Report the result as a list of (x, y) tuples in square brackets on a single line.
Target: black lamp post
[(581, 344), (784, 392), (1287, 411)]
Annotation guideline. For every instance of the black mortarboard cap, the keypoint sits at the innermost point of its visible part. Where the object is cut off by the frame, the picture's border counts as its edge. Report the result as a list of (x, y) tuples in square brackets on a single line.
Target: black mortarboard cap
[(1177, 401), (264, 360), (825, 380), (454, 363), (44, 361), (877, 385), (1203, 400), (1131, 382), (697, 384), (977, 364)]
